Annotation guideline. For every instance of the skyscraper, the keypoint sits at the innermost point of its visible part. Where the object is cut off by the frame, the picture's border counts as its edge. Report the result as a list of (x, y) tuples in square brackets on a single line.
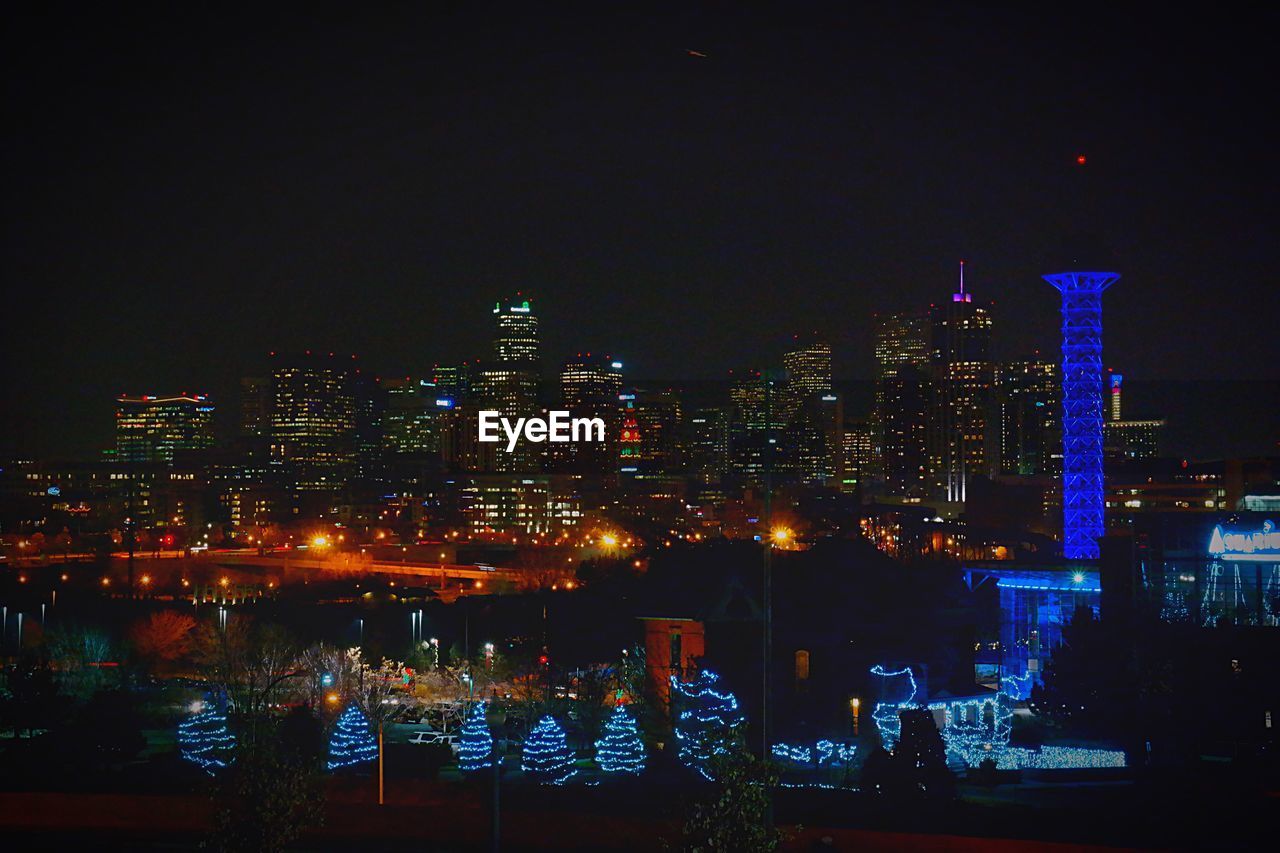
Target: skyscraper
[(858, 443), (313, 421), (452, 382), (589, 388), (515, 336), (962, 437), (1128, 439), (706, 444), (756, 426), (1030, 418), (255, 406), (509, 383), (903, 389), (409, 425), (152, 430), (808, 373)]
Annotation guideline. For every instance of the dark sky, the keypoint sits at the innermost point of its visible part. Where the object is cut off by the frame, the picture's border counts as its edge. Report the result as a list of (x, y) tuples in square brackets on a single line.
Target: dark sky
[(186, 190)]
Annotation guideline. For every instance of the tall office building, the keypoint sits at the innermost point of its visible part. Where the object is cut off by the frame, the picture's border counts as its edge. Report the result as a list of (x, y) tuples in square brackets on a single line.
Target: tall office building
[(903, 388), (808, 374), (589, 388), (962, 436), (452, 383), (658, 418), (815, 439), (858, 443), (152, 430), (370, 400), (706, 444), (509, 383), (756, 428), (515, 336), (903, 429), (1030, 418), (255, 406), (313, 421), (1128, 439), (410, 423)]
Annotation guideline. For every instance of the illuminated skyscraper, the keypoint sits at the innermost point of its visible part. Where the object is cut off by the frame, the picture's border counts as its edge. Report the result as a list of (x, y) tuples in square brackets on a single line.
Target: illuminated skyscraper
[(589, 388), (1030, 418), (313, 421), (859, 444), (815, 439), (410, 424), (1082, 410), (962, 438), (706, 444), (1116, 380), (808, 374), (756, 427), (515, 336), (153, 429), (255, 406), (903, 388), (1128, 439), (452, 382), (902, 426)]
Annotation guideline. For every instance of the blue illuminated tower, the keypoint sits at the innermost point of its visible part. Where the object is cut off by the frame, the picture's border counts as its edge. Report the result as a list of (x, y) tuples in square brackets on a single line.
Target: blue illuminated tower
[(1082, 410)]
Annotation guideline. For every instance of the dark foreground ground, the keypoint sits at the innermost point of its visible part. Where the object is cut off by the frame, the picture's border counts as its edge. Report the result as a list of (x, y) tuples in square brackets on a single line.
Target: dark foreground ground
[(1160, 812)]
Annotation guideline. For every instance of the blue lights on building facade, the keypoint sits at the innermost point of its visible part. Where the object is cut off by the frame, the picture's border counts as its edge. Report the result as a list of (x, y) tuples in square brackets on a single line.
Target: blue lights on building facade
[(1035, 604), (1082, 410)]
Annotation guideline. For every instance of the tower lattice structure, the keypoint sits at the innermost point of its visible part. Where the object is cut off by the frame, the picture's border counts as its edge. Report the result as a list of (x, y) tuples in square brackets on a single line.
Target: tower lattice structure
[(1082, 410)]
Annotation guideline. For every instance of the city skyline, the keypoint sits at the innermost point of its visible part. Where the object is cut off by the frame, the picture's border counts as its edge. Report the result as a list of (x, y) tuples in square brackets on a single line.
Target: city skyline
[(203, 242)]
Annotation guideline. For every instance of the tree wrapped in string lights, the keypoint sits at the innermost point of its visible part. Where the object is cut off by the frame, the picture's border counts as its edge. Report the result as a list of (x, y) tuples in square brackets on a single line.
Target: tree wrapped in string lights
[(351, 742), (205, 740), (707, 723), (620, 749), (475, 745), (546, 756)]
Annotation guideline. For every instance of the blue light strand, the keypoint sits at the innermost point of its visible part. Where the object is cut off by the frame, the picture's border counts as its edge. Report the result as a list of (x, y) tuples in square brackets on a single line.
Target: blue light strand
[(205, 740), (475, 743), (352, 742), (707, 722), (968, 736), (885, 714), (824, 753), (620, 749), (546, 756)]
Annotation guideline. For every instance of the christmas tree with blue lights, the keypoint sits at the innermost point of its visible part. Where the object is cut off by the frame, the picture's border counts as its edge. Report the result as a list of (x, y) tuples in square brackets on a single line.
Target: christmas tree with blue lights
[(205, 740), (475, 746), (707, 722), (547, 757), (351, 742), (620, 749)]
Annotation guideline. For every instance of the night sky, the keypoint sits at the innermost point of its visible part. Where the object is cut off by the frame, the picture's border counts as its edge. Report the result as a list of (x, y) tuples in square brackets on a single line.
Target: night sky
[(187, 190)]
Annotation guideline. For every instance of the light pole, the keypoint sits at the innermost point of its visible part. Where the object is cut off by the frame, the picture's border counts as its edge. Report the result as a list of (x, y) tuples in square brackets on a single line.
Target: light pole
[(767, 597)]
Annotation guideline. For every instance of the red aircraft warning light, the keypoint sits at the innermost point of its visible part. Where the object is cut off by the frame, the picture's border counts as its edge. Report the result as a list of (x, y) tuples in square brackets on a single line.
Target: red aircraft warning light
[(1081, 159)]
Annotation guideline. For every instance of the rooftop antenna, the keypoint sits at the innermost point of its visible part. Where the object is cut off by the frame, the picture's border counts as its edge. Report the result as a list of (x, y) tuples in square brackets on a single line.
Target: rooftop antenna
[(961, 296)]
